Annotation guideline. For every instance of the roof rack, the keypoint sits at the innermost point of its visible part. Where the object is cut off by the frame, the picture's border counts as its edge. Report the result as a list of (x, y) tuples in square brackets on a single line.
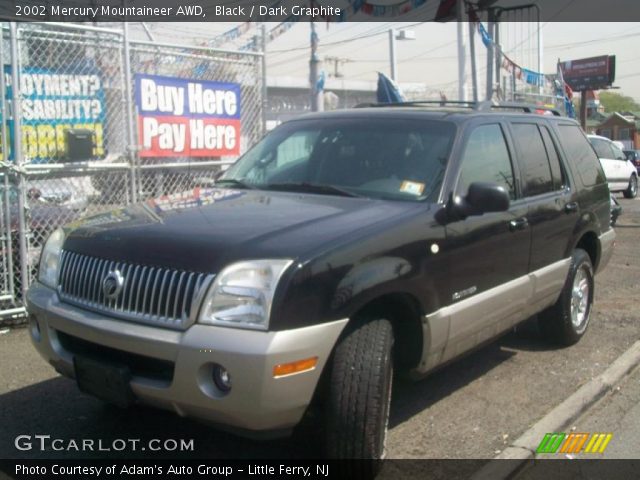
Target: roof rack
[(418, 103), (484, 106), (525, 107)]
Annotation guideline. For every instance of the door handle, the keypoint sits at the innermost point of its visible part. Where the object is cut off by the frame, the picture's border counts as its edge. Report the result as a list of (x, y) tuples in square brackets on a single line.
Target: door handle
[(571, 207), (518, 224)]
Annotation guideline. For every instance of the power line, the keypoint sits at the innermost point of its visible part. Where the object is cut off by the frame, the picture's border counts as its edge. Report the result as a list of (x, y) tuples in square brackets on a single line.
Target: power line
[(571, 2), (305, 46), (563, 46), (341, 42), (595, 40), (629, 75), (378, 30), (422, 54)]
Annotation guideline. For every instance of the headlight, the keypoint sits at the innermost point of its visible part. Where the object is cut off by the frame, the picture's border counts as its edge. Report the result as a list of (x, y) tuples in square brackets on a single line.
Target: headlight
[(50, 259), (242, 293)]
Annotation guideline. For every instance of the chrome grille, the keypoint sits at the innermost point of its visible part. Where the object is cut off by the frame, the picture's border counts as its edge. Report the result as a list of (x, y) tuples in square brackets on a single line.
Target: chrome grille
[(153, 295)]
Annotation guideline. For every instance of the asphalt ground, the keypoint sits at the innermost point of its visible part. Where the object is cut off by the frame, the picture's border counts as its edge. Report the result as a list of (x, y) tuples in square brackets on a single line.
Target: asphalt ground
[(619, 414), (471, 409)]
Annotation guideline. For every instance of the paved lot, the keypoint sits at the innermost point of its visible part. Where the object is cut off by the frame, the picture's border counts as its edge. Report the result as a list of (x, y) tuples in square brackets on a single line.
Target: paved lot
[(619, 414), (471, 409)]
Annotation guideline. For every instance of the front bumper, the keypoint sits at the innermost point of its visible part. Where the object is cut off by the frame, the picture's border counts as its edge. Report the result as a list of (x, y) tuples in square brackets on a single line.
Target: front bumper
[(256, 402)]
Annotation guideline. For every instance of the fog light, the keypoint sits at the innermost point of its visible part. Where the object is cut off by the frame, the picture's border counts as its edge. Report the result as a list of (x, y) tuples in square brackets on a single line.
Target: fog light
[(221, 378)]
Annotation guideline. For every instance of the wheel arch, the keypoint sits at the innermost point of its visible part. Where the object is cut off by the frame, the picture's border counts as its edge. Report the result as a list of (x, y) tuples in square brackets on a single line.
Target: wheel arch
[(590, 243), (404, 312)]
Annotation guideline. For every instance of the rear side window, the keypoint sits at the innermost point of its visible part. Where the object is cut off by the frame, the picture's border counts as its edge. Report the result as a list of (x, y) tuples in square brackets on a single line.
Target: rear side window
[(486, 159), (536, 172), (577, 149), (557, 172), (617, 153), (602, 148)]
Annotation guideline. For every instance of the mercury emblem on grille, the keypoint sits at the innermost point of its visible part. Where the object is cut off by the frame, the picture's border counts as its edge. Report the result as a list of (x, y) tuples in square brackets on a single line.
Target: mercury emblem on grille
[(112, 285)]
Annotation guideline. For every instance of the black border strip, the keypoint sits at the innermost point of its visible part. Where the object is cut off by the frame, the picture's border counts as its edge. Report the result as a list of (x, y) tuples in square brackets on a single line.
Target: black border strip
[(298, 10), (326, 469)]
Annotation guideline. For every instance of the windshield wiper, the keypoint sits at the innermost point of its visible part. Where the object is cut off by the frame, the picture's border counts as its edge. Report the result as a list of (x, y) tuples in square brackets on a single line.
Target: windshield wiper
[(234, 182), (311, 188)]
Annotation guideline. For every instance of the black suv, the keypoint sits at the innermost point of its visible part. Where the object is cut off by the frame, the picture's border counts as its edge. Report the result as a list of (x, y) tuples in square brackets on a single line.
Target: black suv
[(344, 246)]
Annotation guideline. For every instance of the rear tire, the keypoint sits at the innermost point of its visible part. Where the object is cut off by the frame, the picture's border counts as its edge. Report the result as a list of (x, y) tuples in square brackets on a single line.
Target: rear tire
[(360, 394), (566, 322), (632, 189)]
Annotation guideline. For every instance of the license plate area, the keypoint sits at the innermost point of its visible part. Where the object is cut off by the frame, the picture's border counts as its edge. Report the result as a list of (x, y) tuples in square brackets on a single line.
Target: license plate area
[(108, 382)]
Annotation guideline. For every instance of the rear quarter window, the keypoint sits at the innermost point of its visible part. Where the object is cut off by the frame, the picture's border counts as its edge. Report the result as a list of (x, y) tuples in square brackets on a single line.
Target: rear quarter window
[(602, 148), (536, 171), (579, 152)]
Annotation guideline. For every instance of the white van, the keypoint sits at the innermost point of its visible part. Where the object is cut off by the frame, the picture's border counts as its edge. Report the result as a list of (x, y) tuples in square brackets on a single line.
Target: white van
[(621, 173)]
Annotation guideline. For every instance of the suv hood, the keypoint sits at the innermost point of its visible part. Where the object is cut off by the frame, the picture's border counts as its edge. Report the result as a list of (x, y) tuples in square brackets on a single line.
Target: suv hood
[(206, 229)]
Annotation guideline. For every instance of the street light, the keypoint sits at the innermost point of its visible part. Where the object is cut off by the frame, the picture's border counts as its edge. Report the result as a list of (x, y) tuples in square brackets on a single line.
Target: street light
[(393, 36)]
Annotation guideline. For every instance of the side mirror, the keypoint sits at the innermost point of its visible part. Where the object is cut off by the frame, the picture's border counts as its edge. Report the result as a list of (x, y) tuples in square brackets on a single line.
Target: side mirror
[(482, 197), (488, 197)]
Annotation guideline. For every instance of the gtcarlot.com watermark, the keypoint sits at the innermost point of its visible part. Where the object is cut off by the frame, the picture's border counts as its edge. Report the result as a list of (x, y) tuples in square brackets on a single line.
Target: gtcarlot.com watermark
[(47, 443)]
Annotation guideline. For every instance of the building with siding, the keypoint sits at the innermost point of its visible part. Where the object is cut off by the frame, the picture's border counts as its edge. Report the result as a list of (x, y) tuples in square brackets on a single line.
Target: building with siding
[(622, 127)]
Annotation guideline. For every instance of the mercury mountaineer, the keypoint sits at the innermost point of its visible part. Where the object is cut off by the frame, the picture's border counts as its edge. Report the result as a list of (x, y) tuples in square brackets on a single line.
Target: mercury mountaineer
[(343, 248)]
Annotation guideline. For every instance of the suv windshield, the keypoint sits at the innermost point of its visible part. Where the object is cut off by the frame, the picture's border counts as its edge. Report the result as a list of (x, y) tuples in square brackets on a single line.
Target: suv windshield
[(398, 159)]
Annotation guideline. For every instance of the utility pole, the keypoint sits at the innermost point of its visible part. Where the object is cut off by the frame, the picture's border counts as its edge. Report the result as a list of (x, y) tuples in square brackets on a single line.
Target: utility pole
[(393, 36), (314, 72), (540, 52), (583, 109), (462, 74), (498, 53), (472, 52), (491, 24), (337, 62), (392, 53)]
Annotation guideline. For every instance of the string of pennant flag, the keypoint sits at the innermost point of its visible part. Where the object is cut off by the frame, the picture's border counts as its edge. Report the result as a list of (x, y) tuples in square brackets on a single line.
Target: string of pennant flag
[(274, 33), (355, 6), (402, 7), (230, 35), (368, 8), (556, 82), (528, 76)]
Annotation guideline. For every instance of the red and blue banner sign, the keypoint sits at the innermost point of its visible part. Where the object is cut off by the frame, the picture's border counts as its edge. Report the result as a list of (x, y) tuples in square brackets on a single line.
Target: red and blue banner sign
[(180, 117)]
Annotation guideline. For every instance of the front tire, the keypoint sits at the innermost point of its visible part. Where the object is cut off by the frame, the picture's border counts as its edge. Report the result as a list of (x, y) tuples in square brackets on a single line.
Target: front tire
[(566, 322), (632, 189), (360, 393)]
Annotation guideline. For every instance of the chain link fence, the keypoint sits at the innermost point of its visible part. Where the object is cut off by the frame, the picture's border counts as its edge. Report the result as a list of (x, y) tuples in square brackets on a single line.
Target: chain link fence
[(70, 141)]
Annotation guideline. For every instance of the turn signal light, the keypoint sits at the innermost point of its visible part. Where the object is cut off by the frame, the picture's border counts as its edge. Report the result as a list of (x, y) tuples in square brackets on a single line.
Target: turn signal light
[(298, 366)]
